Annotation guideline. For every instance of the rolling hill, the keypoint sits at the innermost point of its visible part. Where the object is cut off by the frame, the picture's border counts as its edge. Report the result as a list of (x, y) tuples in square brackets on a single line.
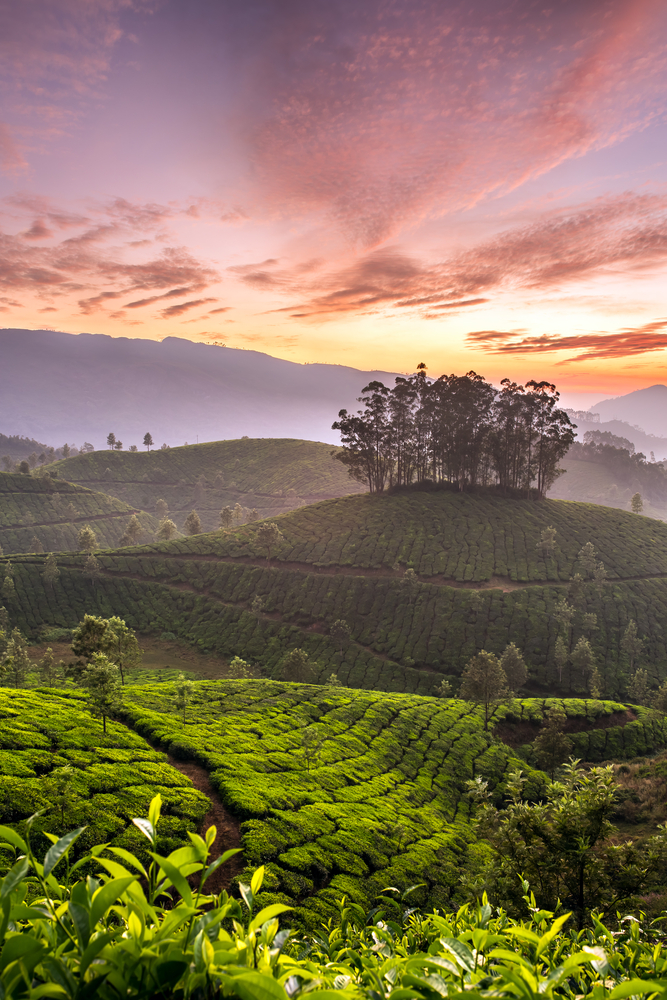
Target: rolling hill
[(480, 580), (38, 511), (592, 482), (271, 475)]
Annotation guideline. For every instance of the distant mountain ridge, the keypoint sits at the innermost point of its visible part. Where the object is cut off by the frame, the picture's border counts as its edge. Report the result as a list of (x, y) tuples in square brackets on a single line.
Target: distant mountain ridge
[(646, 408), (64, 387)]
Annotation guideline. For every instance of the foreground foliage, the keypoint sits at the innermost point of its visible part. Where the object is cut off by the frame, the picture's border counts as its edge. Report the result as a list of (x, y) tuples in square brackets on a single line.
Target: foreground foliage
[(130, 930)]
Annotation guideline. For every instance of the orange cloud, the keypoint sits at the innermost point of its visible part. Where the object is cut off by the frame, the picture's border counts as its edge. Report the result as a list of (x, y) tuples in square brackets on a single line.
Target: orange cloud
[(627, 343)]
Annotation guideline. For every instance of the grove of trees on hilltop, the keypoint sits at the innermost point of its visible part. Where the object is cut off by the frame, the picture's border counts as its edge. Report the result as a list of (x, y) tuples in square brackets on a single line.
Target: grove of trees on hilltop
[(456, 429)]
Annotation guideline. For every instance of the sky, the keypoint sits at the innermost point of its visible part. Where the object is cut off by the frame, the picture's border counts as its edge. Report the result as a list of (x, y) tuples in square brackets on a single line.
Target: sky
[(477, 185)]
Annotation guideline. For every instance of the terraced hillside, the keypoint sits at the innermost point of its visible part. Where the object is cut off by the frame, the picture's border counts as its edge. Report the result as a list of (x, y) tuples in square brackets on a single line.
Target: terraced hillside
[(481, 580), (52, 512), (345, 792), (269, 475), (55, 756)]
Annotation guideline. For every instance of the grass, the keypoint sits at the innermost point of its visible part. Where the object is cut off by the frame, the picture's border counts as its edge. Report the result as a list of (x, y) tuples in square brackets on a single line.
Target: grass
[(271, 475), (54, 512)]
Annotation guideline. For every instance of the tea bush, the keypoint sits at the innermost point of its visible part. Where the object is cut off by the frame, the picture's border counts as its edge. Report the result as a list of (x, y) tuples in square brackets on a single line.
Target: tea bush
[(379, 801), (142, 931), (110, 778), (27, 511), (270, 475)]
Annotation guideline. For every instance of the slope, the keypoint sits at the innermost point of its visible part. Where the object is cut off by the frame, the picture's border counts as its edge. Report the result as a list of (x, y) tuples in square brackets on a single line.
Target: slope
[(480, 580), (342, 793), (592, 482), (270, 475), (38, 512), (645, 407)]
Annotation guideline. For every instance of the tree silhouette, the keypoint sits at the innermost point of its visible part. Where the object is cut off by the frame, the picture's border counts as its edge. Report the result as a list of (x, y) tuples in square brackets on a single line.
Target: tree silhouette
[(193, 523), (111, 440), (148, 441)]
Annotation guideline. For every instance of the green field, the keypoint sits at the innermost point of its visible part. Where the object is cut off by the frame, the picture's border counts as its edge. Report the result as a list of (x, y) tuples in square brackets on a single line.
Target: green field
[(382, 801), (482, 582), (268, 475), (53, 512), (112, 779)]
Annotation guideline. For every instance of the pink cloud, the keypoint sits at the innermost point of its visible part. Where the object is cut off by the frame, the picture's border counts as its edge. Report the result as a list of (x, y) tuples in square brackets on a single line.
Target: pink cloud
[(380, 115), (628, 343)]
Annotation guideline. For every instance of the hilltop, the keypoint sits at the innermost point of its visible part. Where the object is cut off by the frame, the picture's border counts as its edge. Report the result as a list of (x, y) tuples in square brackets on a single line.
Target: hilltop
[(40, 511), (481, 579), (271, 475), (66, 387)]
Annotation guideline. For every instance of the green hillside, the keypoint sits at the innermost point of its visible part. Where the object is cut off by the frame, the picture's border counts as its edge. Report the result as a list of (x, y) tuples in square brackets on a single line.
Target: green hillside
[(50, 745), (381, 801), (53, 512), (270, 475), (590, 482), (481, 581)]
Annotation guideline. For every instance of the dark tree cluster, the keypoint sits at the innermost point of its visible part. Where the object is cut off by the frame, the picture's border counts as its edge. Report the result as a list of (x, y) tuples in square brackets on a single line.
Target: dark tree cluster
[(628, 467), (456, 429)]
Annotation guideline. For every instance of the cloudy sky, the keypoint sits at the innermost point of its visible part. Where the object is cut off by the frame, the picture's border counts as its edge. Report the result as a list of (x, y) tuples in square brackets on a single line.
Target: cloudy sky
[(477, 185)]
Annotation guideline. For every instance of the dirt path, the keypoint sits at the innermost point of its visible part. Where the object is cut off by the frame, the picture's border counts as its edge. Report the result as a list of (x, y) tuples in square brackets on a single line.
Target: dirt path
[(228, 826)]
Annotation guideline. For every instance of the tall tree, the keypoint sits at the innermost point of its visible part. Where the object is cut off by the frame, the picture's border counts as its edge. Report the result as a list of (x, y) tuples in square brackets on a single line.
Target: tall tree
[(226, 518), (583, 660), (120, 644), (340, 633), (87, 539), (148, 441), (132, 533), (296, 666), (514, 667), (483, 681), (166, 530), (183, 689), (102, 679), (588, 558), (17, 662), (92, 569), (111, 440), (193, 523), (551, 746), (50, 672), (632, 644), (161, 509), (269, 536), (636, 503)]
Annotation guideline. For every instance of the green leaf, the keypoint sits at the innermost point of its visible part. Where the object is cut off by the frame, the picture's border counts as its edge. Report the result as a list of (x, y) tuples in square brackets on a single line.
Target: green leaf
[(20, 946), (636, 987), (251, 985), (175, 877), (93, 950), (9, 836), (256, 881), (460, 951), (213, 867), (146, 828), (154, 810), (14, 877), (268, 913), (130, 858), (56, 852), (107, 895)]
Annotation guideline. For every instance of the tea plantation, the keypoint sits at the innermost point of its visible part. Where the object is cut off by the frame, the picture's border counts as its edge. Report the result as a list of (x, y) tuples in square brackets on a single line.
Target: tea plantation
[(53, 512), (481, 581), (346, 792), (55, 756), (269, 475)]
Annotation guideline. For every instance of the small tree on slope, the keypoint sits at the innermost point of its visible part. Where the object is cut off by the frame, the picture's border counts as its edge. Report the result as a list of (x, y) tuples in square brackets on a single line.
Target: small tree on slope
[(484, 682)]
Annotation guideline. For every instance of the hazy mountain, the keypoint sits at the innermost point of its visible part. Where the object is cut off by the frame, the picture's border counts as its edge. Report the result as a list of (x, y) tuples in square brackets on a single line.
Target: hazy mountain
[(642, 441), (59, 387), (646, 408)]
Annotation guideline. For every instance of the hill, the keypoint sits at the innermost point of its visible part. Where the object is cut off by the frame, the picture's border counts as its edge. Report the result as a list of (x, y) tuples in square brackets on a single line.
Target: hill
[(73, 387), (40, 511), (593, 482), (643, 442), (644, 407), (374, 795), (271, 475), (481, 579)]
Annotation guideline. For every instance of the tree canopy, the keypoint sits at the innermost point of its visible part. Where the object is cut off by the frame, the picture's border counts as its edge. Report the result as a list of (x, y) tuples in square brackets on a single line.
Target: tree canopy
[(457, 429)]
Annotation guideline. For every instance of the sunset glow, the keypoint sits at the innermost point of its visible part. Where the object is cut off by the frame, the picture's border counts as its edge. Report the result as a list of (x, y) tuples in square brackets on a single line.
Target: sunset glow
[(476, 185)]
